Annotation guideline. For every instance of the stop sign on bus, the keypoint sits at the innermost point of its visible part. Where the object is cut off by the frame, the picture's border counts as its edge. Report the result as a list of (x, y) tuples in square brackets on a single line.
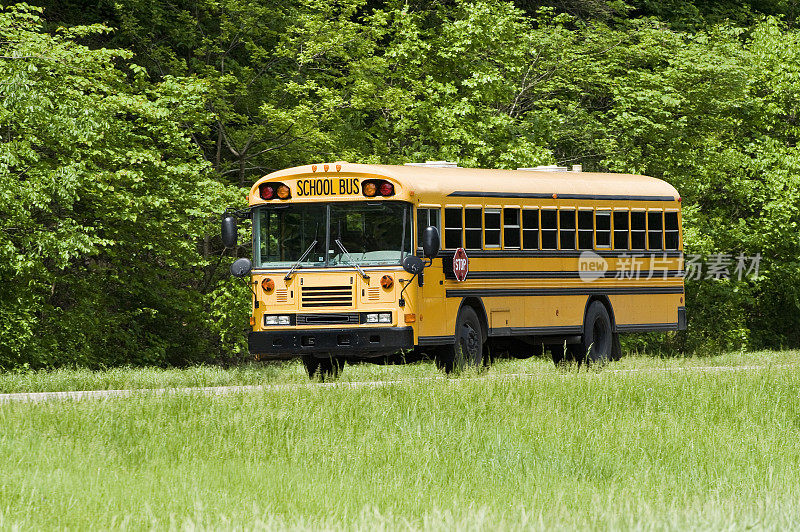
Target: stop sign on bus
[(460, 264)]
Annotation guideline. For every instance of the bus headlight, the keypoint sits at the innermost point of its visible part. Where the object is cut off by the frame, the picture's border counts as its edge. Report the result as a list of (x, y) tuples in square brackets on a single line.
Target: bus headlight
[(277, 320), (379, 317)]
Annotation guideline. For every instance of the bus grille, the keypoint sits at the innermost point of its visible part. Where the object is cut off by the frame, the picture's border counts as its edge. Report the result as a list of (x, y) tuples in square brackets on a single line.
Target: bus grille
[(327, 296), (326, 319)]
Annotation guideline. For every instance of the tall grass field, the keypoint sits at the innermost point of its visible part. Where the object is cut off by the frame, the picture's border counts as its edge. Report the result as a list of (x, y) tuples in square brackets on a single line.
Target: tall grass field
[(642, 444)]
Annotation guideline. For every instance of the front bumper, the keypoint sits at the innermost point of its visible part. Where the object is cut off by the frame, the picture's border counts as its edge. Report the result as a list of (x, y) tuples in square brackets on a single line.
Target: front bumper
[(365, 341)]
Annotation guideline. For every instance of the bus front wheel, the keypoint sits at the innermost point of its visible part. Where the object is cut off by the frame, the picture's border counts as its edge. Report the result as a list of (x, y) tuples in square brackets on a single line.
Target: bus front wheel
[(467, 349), (328, 368), (597, 342)]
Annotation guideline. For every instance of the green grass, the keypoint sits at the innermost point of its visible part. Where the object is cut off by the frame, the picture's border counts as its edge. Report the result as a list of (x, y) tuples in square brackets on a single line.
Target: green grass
[(292, 372), (590, 449)]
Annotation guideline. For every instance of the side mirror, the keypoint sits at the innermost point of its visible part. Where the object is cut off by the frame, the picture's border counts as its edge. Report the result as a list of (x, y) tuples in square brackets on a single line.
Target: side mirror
[(241, 267), (413, 264), (229, 231), (430, 242)]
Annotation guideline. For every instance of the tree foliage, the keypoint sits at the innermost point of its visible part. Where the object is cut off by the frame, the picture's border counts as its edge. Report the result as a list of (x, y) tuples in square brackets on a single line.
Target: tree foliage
[(103, 198)]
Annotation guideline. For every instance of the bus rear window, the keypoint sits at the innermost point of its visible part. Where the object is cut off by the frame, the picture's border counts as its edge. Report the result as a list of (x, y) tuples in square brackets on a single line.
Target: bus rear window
[(671, 230), (655, 230)]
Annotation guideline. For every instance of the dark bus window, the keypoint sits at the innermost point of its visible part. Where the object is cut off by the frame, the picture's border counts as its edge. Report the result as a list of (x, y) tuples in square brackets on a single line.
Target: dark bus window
[(567, 219), (638, 229), (452, 228), (491, 222), (585, 230), (549, 229), (655, 230), (511, 228), (425, 218), (472, 229), (620, 229), (530, 229), (671, 234), (602, 221)]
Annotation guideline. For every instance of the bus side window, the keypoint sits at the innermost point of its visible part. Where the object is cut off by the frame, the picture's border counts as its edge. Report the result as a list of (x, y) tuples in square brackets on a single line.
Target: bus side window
[(425, 218), (491, 222), (472, 228), (671, 230), (549, 229), (655, 230), (511, 228), (567, 219), (452, 228), (602, 223), (585, 229), (530, 229), (620, 229), (638, 229)]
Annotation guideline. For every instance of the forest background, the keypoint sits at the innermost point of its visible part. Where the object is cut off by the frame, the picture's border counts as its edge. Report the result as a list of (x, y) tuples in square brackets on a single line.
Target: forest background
[(127, 126)]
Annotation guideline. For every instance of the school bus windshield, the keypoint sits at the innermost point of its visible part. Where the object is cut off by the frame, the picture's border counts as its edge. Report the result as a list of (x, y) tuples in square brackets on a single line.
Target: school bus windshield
[(371, 233)]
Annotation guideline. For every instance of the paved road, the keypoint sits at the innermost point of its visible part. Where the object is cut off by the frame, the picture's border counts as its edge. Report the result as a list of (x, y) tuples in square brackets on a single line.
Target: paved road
[(38, 397)]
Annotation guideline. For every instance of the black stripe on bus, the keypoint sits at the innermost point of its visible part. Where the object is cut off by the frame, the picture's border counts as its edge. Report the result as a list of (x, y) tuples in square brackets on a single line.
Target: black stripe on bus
[(646, 327), (549, 253), (611, 274), (536, 331), (544, 195), (435, 340), (577, 291)]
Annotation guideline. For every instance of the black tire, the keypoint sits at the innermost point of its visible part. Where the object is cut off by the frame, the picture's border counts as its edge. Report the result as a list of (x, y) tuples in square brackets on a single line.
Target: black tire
[(558, 354), (616, 348), (467, 350), (597, 342), (327, 369)]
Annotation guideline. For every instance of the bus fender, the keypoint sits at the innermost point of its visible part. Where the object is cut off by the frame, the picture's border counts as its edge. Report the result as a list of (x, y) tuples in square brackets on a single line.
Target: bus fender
[(606, 303), (477, 305)]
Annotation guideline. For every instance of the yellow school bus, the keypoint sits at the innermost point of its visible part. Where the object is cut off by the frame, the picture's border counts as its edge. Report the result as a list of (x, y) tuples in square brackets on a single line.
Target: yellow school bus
[(358, 261)]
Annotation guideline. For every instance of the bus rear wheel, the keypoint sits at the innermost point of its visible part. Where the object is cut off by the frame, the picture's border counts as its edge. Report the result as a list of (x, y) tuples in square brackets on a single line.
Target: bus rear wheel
[(467, 349), (328, 368), (597, 342)]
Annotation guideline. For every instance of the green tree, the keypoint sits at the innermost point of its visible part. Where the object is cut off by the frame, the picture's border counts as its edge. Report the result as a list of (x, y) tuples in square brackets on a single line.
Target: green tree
[(103, 198)]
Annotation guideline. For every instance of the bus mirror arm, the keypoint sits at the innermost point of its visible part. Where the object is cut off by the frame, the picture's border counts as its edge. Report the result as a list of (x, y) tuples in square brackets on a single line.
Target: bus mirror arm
[(402, 302), (415, 266)]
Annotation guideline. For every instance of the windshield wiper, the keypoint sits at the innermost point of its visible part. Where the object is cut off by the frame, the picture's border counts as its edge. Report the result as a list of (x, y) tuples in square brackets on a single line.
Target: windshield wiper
[(353, 264), (297, 264)]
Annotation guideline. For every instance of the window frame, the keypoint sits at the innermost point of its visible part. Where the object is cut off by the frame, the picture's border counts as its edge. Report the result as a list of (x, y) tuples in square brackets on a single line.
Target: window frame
[(574, 229), (631, 230), (537, 230), (605, 211), (591, 230), (459, 208), (504, 227), (493, 209)]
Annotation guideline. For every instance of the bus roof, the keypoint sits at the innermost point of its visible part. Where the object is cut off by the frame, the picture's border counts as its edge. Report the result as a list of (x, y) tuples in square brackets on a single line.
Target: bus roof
[(480, 182)]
